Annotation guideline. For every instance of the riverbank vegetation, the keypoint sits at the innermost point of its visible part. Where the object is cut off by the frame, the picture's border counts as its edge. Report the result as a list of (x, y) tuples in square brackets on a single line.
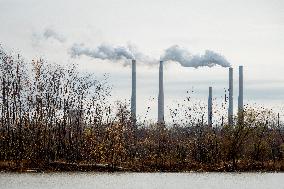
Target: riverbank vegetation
[(55, 118)]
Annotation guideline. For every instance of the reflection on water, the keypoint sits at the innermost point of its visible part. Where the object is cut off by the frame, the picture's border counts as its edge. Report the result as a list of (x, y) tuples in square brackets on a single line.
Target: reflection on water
[(142, 180)]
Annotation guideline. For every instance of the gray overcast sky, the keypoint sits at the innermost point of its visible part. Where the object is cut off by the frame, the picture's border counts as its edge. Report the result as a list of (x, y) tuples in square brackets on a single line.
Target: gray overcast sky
[(246, 32)]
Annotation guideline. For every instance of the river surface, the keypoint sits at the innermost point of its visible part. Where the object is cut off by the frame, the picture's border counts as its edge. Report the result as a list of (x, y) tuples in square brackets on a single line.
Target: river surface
[(142, 180)]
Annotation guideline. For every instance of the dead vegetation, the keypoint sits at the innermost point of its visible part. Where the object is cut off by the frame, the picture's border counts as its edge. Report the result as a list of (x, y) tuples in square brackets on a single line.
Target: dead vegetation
[(50, 113)]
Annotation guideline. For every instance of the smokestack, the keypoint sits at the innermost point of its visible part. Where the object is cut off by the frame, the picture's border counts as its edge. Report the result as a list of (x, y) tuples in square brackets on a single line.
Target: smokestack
[(231, 101), (161, 95), (210, 107), (241, 95), (133, 95)]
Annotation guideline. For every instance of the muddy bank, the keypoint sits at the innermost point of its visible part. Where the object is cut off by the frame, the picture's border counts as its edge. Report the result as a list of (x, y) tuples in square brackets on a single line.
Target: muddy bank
[(61, 166)]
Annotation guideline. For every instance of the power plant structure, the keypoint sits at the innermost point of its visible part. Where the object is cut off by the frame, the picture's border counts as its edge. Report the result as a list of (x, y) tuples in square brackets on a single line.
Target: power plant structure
[(241, 95), (210, 109), (133, 94), (161, 115), (231, 98)]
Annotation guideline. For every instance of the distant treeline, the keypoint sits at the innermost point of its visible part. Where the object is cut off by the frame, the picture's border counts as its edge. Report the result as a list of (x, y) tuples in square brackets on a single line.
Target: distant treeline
[(51, 113)]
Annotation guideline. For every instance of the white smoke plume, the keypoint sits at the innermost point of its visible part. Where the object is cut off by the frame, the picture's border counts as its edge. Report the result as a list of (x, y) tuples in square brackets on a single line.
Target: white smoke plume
[(108, 52), (186, 59), (103, 52), (174, 53)]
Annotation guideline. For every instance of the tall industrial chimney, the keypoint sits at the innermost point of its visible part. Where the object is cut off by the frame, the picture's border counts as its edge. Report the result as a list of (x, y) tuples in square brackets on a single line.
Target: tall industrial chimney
[(231, 101), (241, 95), (133, 95), (161, 95), (210, 113)]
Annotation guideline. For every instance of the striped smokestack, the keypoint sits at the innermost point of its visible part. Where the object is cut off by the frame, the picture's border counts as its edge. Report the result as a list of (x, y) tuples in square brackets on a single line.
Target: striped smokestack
[(133, 95), (161, 95), (231, 101), (210, 113), (241, 95)]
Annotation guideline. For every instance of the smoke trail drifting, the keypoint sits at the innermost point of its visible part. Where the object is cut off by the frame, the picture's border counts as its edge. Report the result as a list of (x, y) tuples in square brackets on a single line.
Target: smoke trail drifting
[(108, 52), (174, 53), (186, 59), (102, 52), (50, 33)]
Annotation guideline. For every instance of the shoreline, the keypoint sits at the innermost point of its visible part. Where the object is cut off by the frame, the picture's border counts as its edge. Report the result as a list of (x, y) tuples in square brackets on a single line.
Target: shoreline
[(61, 166)]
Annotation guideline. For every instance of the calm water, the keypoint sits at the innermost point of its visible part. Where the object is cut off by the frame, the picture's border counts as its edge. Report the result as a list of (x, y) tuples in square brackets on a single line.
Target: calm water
[(142, 180)]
